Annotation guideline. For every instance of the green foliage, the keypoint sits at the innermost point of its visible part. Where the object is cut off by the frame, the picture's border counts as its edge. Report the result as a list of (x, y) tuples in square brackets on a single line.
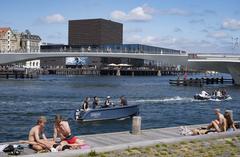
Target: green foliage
[(92, 154), (207, 148)]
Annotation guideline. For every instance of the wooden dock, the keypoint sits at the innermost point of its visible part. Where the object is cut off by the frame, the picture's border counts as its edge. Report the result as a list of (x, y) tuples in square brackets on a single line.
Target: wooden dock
[(200, 81), (123, 140), (17, 75)]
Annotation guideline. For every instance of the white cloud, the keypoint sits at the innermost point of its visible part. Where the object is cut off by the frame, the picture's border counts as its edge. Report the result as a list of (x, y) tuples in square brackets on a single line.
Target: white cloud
[(217, 35), (55, 18), (231, 24), (141, 13)]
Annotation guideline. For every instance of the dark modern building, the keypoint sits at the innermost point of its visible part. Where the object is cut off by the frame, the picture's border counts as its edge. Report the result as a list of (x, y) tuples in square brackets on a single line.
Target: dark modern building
[(94, 32), (100, 35)]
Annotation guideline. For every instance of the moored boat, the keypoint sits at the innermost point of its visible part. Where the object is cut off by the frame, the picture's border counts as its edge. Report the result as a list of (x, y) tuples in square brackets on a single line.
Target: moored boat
[(115, 112)]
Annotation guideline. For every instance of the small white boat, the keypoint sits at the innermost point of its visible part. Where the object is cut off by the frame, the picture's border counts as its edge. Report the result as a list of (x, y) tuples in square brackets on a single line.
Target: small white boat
[(205, 96)]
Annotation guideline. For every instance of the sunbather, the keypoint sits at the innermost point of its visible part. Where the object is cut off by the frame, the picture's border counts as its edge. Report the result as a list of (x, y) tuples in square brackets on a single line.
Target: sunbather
[(37, 139), (220, 123), (230, 122), (62, 130)]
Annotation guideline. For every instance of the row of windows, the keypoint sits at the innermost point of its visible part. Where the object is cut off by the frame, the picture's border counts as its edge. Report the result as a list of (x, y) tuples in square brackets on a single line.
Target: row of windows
[(140, 48), (34, 64)]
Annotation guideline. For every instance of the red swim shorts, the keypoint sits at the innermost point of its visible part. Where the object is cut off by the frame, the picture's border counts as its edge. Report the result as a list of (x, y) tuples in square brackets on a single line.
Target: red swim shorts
[(71, 140)]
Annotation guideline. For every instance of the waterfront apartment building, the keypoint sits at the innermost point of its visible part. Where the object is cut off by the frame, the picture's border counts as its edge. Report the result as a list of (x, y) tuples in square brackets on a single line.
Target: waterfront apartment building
[(9, 41), (12, 41), (94, 32), (30, 42)]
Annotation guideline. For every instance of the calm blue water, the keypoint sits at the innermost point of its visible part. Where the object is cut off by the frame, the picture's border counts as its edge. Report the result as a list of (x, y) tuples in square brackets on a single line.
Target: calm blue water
[(161, 105)]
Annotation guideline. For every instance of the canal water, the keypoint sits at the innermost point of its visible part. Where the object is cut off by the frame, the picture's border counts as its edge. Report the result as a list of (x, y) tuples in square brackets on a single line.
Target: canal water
[(161, 105)]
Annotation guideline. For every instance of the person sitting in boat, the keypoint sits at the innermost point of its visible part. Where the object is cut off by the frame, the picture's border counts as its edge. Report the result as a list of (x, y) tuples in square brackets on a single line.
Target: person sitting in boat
[(230, 122), (224, 93), (219, 94), (214, 93), (95, 102), (85, 105), (123, 101), (220, 123), (63, 131), (204, 94), (107, 102)]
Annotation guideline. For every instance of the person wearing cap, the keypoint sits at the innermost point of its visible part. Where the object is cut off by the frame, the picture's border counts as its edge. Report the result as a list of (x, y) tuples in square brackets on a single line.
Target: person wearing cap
[(107, 102), (220, 123)]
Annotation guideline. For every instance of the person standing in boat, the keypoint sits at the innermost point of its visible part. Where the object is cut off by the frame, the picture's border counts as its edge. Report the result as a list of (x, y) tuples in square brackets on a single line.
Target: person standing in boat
[(85, 104), (123, 101), (95, 102), (107, 102)]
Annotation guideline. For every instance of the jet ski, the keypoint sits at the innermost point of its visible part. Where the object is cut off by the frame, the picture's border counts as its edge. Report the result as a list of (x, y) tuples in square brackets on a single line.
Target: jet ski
[(202, 96)]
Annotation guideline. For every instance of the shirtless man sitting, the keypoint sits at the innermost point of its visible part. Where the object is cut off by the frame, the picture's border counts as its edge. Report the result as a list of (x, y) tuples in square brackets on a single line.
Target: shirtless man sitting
[(220, 123), (62, 130), (37, 139)]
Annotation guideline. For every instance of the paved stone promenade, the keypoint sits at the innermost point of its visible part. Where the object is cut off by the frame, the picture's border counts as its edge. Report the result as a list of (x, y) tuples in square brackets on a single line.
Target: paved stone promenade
[(123, 140)]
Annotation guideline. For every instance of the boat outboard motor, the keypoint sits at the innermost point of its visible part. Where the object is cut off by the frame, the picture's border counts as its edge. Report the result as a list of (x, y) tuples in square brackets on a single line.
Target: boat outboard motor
[(77, 114)]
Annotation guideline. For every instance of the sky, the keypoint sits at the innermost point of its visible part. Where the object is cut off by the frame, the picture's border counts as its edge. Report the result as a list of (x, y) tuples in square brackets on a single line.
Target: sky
[(196, 26)]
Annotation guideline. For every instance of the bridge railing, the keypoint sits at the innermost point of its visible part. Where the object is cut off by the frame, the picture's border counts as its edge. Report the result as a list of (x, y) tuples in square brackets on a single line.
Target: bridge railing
[(97, 50), (103, 50)]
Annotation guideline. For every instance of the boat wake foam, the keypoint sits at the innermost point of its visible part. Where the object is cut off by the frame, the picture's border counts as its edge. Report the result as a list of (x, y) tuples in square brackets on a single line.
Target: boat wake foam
[(173, 99)]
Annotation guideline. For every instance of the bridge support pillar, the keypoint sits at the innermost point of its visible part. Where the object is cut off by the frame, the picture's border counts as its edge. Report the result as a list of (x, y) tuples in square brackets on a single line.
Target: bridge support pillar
[(235, 73), (159, 73)]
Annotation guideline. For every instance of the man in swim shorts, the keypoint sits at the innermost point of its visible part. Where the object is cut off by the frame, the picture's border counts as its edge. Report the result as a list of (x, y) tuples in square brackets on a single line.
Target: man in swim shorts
[(62, 130), (37, 139)]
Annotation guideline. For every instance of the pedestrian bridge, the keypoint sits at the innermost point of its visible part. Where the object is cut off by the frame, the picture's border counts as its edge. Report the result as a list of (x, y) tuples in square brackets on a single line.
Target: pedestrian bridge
[(180, 59), (217, 62)]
